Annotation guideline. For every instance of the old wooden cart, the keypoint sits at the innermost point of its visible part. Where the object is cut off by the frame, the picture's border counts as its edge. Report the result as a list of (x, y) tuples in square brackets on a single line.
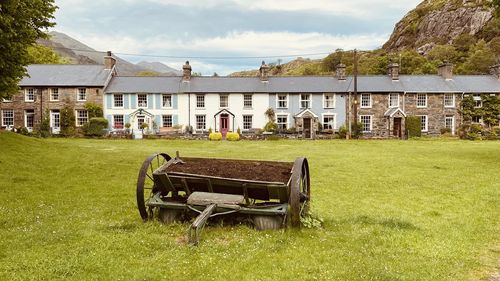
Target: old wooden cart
[(272, 194)]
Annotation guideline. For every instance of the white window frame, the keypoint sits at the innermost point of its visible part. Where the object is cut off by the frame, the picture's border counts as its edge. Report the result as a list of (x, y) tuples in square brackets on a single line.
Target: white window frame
[(278, 101), (452, 123), (7, 99), (452, 100), (417, 100), (198, 128), (371, 123), (32, 114), (3, 118), (52, 94), (79, 92), (200, 100), (333, 100), (27, 94), (114, 100), (245, 121), (163, 123), (309, 100), (78, 118), (246, 101), (139, 105), (369, 100), (114, 121), (52, 120), (480, 121), (390, 100), (478, 101), (282, 123), (426, 125), (221, 98), (334, 115), (166, 96)]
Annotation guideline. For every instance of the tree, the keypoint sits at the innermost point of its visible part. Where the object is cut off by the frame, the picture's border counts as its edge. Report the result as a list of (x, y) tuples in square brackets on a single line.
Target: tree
[(21, 23), (480, 59), (39, 54), (67, 120), (443, 53)]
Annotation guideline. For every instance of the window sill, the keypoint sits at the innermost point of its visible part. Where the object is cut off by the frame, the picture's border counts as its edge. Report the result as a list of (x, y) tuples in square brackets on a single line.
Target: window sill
[(365, 107), (200, 108), (421, 106), (29, 101)]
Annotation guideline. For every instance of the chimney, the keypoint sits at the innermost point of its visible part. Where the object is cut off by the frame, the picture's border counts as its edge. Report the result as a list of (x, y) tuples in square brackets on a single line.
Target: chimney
[(446, 70), (186, 72), (264, 72), (495, 71), (109, 61), (340, 71), (393, 71)]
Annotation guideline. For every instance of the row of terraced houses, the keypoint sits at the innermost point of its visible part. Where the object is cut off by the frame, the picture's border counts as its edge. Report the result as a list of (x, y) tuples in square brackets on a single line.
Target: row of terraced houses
[(309, 104)]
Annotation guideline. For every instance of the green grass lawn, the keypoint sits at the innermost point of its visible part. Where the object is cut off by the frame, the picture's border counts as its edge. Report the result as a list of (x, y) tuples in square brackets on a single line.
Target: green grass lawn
[(392, 210)]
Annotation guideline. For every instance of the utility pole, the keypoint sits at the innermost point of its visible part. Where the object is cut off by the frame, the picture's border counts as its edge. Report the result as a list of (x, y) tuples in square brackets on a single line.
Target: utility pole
[(355, 72)]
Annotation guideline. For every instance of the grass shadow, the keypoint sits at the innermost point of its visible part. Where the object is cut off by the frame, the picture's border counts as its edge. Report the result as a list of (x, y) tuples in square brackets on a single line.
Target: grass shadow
[(388, 223)]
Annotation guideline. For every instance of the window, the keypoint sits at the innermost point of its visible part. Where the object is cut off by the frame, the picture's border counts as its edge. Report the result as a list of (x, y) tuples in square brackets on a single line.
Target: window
[(166, 100), (82, 117), (423, 123), (328, 100), (366, 121), (29, 95), (200, 101), (54, 94), (223, 100), (366, 100), (200, 122), (421, 100), (247, 101), (328, 122), (82, 94), (393, 100), (449, 100), (477, 100), (142, 100), (8, 118), (247, 122), (282, 101), (305, 100), (9, 99), (166, 121), (449, 123), (118, 121), (282, 121), (29, 118), (117, 100), (477, 119)]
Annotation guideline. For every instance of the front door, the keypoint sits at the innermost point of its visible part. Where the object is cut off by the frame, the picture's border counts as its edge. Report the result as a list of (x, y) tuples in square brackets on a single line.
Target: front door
[(307, 128), (55, 121), (140, 120), (224, 124), (397, 128)]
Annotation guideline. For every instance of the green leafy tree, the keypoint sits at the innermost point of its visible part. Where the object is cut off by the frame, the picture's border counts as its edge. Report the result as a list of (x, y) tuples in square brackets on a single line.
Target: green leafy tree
[(21, 24), (67, 120), (490, 109), (94, 110), (480, 59), (443, 53), (39, 54), (45, 125)]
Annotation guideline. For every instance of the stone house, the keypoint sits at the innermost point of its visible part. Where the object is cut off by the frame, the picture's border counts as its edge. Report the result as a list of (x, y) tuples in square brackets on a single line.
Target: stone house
[(384, 102), (49, 87)]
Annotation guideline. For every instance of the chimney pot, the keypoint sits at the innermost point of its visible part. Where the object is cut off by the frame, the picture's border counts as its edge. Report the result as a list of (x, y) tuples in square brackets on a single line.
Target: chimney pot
[(445, 70), (393, 71), (340, 72), (186, 72), (109, 61), (264, 72)]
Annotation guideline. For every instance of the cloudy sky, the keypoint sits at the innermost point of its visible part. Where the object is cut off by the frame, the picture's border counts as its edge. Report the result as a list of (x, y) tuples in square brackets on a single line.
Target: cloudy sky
[(179, 30)]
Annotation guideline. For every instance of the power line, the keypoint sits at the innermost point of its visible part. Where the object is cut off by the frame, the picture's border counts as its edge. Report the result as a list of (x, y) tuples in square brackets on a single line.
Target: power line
[(198, 57)]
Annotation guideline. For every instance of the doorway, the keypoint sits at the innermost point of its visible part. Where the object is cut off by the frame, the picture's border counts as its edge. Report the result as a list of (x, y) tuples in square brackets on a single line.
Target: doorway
[(55, 121), (307, 128), (224, 124), (397, 127)]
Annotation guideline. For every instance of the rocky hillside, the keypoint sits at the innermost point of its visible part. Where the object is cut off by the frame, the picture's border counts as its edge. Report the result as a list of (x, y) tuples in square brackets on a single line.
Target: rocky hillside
[(435, 22)]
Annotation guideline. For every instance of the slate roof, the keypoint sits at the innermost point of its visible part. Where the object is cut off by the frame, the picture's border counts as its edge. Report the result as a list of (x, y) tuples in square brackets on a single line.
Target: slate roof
[(65, 75), (306, 84)]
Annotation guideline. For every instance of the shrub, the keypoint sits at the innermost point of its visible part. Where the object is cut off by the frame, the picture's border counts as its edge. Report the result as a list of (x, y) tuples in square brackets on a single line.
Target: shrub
[(343, 132), (238, 131), (215, 136), (95, 127), (445, 131), (45, 125), (22, 131), (356, 130), (291, 130), (93, 109), (209, 130), (271, 127), (232, 136), (413, 126), (67, 120)]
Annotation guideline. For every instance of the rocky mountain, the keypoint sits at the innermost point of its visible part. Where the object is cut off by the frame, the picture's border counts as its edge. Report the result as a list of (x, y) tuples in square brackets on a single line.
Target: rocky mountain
[(435, 22), (79, 53)]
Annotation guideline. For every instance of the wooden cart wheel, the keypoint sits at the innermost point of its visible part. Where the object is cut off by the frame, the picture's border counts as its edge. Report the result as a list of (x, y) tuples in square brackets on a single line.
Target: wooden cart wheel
[(300, 192), (145, 184)]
